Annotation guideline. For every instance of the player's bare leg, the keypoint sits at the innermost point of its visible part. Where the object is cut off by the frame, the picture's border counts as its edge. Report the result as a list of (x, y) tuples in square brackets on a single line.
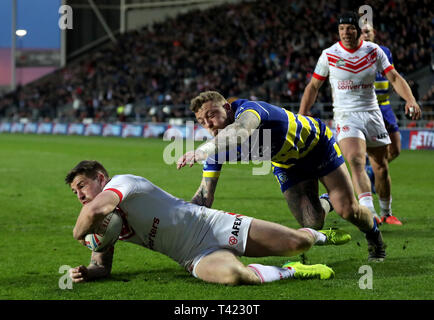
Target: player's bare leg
[(379, 163), (272, 239), (264, 239), (305, 205), (222, 266), (354, 150), (380, 166), (394, 148), (341, 193)]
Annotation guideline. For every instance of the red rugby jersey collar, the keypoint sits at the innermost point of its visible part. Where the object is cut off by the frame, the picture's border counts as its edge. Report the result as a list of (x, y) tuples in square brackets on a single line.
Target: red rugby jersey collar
[(351, 50)]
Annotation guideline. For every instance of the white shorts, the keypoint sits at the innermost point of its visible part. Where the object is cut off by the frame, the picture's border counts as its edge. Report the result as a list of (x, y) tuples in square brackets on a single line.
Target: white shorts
[(365, 125), (226, 231)]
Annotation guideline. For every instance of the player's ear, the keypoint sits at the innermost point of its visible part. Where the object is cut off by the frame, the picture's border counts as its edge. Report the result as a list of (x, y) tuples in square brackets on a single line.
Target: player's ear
[(227, 106), (101, 177)]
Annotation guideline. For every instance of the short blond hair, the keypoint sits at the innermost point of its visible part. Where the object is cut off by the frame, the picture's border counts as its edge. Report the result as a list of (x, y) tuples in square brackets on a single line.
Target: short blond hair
[(197, 102)]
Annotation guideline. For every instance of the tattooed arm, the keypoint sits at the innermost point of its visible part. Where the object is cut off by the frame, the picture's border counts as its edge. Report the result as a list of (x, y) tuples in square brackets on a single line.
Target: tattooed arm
[(100, 267), (204, 196), (228, 138)]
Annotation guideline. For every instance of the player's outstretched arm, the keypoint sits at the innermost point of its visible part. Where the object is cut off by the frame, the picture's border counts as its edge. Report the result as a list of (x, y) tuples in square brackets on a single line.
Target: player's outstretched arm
[(309, 96), (228, 138), (403, 89), (100, 267), (93, 213), (204, 196)]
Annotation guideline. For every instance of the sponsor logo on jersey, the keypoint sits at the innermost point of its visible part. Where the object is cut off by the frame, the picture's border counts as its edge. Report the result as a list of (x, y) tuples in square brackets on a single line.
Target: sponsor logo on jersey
[(233, 239), (340, 63), (372, 57), (282, 177), (152, 234), (350, 85), (380, 136)]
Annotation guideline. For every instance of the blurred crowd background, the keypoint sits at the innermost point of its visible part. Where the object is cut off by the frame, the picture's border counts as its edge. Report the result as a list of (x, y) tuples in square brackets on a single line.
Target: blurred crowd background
[(264, 50)]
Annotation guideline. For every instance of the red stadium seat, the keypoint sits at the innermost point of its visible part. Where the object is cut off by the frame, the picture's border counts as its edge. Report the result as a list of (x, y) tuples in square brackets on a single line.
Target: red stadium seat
[(412, 124), (430, 124)]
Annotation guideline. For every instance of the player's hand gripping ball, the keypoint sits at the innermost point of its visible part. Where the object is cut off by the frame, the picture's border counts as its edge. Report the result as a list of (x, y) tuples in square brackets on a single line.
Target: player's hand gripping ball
[(106, 235), (410, 113)]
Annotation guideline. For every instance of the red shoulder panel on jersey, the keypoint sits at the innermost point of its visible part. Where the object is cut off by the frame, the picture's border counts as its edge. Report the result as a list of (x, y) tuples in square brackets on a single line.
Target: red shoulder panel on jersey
[(117, 192), (319, 77)]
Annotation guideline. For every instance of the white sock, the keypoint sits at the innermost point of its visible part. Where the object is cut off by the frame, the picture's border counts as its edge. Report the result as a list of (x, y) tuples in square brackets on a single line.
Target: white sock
[(325, 205), (365, 199), (271, 273), (386, 206), (320, 238)]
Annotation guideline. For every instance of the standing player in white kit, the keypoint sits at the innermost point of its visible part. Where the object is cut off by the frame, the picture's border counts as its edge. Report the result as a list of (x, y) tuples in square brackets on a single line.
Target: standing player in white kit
[(206, 242), (351, 65), (382, 92)]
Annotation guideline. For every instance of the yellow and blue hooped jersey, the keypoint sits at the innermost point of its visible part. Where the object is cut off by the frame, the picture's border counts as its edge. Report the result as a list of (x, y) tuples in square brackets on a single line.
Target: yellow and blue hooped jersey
[(293, 136), (381, 83)]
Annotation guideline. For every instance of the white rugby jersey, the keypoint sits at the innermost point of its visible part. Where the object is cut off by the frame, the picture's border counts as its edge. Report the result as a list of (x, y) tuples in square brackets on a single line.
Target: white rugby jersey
[(352, 74), (155, 219)]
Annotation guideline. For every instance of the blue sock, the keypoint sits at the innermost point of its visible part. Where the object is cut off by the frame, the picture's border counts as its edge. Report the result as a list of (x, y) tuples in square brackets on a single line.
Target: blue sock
[(375, 228), (368, 163), (373, 232), (371, 176)]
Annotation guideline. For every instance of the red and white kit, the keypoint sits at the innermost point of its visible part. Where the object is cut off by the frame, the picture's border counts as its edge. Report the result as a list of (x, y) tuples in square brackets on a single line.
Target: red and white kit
[(352, 75), (181, 230)]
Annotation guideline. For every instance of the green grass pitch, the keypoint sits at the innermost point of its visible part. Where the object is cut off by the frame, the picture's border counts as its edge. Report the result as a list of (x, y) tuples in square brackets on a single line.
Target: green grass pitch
[(38, 212)]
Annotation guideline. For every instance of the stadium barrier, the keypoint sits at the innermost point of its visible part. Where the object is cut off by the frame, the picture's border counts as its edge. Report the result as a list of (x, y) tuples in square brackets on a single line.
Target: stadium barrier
[(412, 139), (145, 130)]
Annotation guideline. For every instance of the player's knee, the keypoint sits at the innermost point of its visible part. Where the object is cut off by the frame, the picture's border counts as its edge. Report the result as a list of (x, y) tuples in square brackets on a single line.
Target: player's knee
[(357, 163)]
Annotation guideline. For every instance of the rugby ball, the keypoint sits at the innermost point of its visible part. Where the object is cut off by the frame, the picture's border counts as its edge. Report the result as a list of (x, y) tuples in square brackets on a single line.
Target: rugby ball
[(107, 233)]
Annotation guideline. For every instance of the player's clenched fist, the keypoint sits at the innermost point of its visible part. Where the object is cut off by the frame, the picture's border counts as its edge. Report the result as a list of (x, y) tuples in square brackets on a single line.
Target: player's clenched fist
[(78, 274)]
